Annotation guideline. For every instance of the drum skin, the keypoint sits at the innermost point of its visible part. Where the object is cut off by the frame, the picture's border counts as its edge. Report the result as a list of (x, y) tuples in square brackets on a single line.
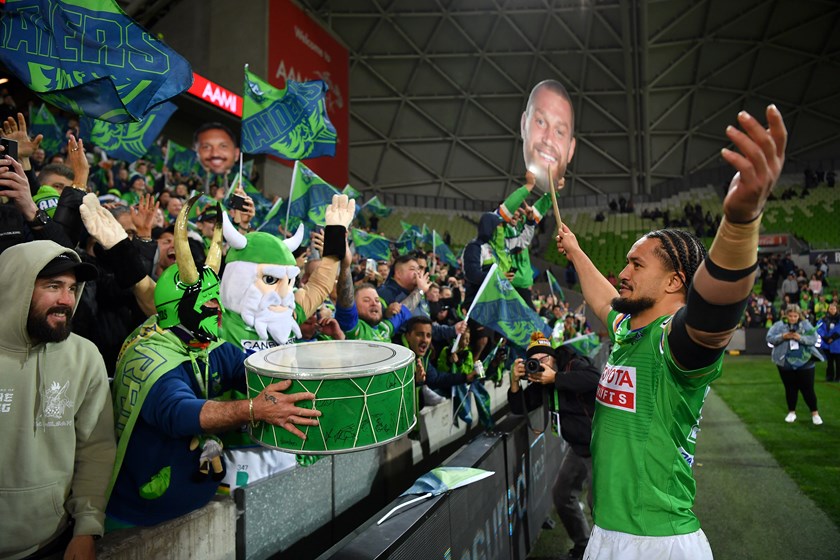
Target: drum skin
[(364, 390)]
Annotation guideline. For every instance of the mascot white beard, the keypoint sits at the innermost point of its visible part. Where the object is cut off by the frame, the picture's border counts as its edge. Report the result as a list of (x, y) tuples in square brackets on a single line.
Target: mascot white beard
[(255, 306)]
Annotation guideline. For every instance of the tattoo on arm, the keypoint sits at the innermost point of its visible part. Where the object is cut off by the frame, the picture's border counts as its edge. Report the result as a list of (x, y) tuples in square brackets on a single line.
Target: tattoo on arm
[(412, 300), (345, 288)]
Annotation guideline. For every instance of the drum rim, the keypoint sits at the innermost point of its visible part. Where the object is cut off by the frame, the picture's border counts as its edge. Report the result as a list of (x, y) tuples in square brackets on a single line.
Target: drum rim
[(409, 358), (334, 451)]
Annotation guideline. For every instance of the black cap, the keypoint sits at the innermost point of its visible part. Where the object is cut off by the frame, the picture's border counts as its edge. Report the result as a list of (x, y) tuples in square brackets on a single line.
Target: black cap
[(65, 263), (209, 214)]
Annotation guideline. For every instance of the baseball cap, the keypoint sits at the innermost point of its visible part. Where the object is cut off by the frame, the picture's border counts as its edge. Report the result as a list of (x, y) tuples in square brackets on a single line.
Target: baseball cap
[(209, 214), (65, 263)]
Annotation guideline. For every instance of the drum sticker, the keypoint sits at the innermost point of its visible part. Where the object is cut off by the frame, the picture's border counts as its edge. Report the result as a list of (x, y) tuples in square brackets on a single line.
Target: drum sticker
[(617, 387)]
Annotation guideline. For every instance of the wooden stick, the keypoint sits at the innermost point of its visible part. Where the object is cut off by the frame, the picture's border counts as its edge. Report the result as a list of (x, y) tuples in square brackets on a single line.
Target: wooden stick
[(554, 197)]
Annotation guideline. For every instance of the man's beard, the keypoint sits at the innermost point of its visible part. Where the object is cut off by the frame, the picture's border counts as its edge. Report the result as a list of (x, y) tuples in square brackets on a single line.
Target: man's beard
[(632, 306), (39, 327)]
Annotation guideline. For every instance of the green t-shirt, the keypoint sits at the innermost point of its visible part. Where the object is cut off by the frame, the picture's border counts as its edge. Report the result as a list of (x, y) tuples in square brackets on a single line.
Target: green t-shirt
[(644, 433)]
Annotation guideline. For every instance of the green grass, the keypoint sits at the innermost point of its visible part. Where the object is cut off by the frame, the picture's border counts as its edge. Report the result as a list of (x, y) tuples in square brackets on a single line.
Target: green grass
[(810, 454)]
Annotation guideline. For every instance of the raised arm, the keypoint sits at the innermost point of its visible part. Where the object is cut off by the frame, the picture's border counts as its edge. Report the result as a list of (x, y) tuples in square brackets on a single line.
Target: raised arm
[(597, 290), (723, 281)]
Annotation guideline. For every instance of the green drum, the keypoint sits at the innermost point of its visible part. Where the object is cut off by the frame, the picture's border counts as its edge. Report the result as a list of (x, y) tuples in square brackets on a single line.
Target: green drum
[(364, 390)]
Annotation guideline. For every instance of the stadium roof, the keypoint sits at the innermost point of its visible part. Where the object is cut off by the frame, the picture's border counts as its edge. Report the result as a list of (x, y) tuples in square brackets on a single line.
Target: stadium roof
[(437, 87)]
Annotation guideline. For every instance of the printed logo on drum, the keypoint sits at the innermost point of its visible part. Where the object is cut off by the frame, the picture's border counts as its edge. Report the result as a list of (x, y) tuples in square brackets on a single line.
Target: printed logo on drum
[(617, 387), (251, 346)]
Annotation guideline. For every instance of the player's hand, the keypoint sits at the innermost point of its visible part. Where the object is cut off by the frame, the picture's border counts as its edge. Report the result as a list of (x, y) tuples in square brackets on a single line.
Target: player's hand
[(274, 406), (758, 163), (566, 241)]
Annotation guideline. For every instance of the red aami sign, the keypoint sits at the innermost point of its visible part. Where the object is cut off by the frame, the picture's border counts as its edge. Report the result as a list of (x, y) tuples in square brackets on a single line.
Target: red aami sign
[(300, 49), (216, 95)]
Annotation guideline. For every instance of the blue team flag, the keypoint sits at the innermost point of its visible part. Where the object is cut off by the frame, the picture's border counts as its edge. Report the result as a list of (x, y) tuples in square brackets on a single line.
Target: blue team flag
[(89, 58), (499, 306), (370, 245), (42, 121), (127, 141), (290, 123)]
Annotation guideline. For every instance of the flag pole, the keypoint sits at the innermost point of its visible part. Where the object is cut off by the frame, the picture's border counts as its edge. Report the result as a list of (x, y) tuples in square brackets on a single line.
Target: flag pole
[(490, 273), (401, 506), (434, 253), (548, 277), (551, 189), (291, 193)]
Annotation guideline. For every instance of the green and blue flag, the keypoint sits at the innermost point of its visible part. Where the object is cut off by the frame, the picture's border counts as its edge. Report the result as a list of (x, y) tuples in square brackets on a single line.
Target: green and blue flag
[(499, 306), (42, 121), (377, 208), (443, 251), (308, 199), (127, 141), (554, 286), (370, 245), (351, 193), (290, 123), (89, 58), (181, 159)]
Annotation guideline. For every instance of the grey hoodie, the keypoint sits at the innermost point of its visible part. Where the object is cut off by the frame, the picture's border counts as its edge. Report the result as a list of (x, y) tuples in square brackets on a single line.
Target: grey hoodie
[(56, 419)]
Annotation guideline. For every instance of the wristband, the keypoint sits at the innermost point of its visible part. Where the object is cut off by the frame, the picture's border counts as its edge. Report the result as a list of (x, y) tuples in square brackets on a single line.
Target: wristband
[(335, 242)]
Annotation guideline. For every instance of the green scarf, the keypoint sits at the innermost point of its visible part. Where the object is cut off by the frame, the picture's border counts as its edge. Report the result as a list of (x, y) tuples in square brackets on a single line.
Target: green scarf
[(148, 354)]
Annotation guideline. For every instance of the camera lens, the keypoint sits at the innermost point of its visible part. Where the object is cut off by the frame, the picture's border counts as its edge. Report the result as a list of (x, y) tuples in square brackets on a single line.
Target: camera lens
[(532, 366)]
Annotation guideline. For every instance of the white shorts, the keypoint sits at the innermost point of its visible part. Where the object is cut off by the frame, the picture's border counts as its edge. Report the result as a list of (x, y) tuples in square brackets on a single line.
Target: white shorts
[(614, 545)]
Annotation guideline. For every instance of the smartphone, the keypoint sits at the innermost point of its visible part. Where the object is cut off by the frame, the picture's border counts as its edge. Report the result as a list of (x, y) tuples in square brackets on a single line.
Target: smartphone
[(370, 265), (236, 202), (10, 148)]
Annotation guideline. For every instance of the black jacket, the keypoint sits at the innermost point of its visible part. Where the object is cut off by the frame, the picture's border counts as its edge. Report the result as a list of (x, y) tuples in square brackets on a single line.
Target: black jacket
[(575, 383)]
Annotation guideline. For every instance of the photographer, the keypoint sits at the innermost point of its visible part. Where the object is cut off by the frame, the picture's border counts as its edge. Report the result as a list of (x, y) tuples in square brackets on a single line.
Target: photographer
[(568, 382)]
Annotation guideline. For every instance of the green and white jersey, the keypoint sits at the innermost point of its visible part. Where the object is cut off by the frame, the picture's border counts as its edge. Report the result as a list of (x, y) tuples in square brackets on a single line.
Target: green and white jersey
[(644, 433)]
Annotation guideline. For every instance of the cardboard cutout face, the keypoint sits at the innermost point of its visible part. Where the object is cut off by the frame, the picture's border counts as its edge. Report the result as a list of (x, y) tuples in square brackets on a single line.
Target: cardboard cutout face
[(547, 135)]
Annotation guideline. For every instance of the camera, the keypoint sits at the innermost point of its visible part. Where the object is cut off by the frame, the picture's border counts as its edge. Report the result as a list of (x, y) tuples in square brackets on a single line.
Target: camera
[(532, 365), (236, 202)]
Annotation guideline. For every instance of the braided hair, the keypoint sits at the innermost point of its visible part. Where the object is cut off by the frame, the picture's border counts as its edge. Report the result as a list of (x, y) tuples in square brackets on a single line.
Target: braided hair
[(680, 251)]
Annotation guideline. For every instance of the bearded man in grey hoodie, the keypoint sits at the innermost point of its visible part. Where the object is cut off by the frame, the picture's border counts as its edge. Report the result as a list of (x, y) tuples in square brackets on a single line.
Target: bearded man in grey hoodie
[(56, 418)]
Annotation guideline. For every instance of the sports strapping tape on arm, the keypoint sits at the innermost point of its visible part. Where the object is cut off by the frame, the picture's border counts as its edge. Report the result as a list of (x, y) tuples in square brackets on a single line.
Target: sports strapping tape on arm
[(734, 252)]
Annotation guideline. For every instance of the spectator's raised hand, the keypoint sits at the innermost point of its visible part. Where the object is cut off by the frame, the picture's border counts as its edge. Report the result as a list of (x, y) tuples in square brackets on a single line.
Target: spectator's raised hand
[(143, 215), (77, 161), (758, 165), (15, 186), (16, 130), (393, 308), (423, 281), (243, 217), (317, 238), (329, 326)]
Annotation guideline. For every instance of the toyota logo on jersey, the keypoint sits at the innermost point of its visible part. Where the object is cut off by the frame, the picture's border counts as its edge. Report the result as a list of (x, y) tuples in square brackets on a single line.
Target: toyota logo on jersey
[(617, 387)]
